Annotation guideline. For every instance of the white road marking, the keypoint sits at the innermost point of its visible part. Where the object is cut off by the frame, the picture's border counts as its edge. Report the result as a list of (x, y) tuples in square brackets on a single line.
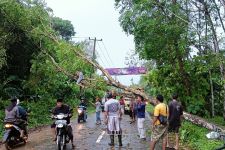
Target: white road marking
[(100, 137)]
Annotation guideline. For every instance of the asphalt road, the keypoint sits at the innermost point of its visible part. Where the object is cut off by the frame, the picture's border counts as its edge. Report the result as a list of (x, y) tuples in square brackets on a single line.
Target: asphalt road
[(89, 136)]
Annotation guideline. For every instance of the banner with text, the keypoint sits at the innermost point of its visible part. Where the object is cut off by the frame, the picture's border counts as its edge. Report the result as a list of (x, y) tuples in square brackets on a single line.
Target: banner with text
[(127, 71)]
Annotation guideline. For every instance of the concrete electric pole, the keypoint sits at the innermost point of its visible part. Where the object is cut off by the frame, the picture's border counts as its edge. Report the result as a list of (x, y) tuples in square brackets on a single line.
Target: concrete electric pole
[(95, 40)]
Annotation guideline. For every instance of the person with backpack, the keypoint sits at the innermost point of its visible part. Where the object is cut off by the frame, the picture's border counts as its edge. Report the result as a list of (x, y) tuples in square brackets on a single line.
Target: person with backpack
[(175, 117), (159, 123)]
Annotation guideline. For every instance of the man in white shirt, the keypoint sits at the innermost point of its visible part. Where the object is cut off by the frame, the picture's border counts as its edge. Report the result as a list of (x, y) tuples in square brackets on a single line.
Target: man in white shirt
[(113, 117)]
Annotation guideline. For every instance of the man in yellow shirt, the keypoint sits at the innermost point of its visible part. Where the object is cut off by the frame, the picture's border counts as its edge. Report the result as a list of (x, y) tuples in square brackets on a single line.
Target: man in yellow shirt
[(159, 123)]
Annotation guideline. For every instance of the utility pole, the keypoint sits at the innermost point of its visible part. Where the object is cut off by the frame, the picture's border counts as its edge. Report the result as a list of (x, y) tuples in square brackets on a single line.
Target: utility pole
[(93, 54), (95, 40)]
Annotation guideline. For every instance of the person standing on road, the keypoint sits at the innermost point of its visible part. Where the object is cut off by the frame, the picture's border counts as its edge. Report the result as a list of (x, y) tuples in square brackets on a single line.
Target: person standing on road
[(113, 117), (159, 123), (122, 104), (141, 116), (175, 117), (98, 111), (132, 109)]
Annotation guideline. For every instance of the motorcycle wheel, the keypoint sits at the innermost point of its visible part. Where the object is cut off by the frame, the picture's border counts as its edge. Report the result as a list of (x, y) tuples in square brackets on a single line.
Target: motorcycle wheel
[(60, 144), (7, 146)]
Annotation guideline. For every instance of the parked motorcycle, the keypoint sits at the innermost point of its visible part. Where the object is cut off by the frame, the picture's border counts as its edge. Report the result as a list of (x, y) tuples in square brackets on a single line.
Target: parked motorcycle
[(62, 130), (81, 114), (217, 134)]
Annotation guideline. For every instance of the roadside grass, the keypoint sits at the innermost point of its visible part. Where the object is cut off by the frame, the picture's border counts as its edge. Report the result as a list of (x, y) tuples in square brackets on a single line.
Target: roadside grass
[(217, 120), (193, 136)]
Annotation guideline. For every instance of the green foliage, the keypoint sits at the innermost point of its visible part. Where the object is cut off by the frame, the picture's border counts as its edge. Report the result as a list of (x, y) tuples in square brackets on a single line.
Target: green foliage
[(27, 36), (195, 137), (165, 33), (63, 27)]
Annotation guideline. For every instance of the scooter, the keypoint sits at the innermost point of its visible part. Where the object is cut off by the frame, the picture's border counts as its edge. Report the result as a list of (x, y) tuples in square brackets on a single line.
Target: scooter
[(81, 114), (217, 134)]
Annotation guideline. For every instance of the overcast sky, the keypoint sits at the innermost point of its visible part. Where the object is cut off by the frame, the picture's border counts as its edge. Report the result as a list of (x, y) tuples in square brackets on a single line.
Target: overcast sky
[(98, 18)]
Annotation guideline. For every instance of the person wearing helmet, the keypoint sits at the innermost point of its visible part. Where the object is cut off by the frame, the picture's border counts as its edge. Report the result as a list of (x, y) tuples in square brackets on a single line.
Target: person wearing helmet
[(65, 109), (82, 103)]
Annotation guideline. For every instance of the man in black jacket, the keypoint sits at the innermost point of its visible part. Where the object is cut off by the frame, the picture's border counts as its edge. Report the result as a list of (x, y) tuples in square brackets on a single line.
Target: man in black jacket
[(65, 109)]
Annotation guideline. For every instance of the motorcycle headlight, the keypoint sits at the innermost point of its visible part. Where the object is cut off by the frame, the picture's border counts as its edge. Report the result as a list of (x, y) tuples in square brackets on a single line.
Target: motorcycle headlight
[(60, 116), (60, 125), (8, 125), (79, 111)]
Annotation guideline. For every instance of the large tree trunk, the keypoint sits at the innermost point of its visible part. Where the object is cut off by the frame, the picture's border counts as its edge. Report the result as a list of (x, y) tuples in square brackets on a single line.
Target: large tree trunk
[(212, 94), (201, 122), (216, 46)]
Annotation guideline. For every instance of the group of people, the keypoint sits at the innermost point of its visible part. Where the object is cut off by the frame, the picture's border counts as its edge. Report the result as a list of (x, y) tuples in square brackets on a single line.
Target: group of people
[(166, 118), (18, 115), (113, 112)]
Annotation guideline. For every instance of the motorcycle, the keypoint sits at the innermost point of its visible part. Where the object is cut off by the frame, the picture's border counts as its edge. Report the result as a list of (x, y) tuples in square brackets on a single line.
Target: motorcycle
[(81, 114), (12, 135), (217, 134), (62, 130)]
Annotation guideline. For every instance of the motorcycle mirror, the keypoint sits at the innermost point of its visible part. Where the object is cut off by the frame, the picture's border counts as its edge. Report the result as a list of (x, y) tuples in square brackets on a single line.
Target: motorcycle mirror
[(213, 135)]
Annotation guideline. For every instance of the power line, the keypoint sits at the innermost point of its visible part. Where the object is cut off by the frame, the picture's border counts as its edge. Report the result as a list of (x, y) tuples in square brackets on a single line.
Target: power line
[(107, 53), (77, 37), (100, 58), (103, 54)]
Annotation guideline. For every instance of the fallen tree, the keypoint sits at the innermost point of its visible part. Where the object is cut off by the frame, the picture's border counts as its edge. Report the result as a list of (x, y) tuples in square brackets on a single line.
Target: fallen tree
[(46, 33), (110, 81)]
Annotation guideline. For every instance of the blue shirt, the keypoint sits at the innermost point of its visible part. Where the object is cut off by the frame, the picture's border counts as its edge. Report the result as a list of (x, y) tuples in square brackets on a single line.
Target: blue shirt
[(141, 110)]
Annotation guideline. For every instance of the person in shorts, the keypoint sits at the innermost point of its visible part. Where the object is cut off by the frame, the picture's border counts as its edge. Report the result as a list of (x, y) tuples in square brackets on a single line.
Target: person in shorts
[(175, 117), (159, 130)]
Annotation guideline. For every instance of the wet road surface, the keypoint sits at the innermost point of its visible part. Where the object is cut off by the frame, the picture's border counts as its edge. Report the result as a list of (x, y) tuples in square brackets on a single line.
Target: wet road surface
[(89, 136)]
